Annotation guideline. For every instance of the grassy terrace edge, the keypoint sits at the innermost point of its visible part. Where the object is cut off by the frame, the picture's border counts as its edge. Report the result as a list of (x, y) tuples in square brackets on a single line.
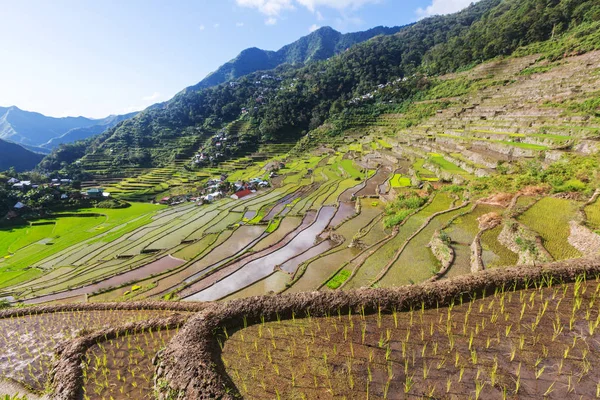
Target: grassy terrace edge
[(191, 366)]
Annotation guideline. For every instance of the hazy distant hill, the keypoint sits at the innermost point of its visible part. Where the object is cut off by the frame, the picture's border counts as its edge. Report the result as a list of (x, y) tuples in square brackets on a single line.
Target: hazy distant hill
[(34, 129), (76, 134), (13, 155), (319, 45)]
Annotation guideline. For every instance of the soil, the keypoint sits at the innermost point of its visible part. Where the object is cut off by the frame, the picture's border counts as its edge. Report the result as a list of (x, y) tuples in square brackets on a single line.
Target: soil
[(191, 366)]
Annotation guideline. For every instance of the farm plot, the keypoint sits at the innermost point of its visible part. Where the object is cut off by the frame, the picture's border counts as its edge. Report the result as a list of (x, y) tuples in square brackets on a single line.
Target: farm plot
[(69, 231), (550, 218), (495, 254), (159, 266), (531, 343), (374, 264), (122, 368), (593, 215), (462, 232), (400, 181), (27, 349), (261, 268), (417, 263), (320, 269)]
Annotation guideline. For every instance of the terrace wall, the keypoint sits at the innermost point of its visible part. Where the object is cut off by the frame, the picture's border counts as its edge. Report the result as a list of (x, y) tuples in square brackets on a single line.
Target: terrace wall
[(67, 372), (191, 366)]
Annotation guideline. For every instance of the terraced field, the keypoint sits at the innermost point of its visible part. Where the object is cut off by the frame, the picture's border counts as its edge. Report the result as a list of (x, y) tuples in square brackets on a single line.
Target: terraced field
[(501, 175), (326, 222)]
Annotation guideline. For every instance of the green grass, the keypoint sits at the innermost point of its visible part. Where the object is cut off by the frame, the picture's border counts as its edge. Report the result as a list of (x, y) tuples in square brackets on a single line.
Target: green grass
[(66, 230), (339, 279), (384, 144), (273, 225), (400, 181), (550, 218), (446, 165), (423, 173), (593, 215), (351, 169)]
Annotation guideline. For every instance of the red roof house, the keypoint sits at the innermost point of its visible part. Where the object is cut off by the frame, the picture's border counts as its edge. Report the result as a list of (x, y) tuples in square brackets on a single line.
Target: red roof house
[(241, 194)]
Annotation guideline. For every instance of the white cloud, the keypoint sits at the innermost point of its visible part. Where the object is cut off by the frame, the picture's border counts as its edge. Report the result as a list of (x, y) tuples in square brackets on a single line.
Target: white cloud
[(202, 27), (239, 24), (441, 7), (319, 16), (345, 22), (271, 21), (153, 96), (313, 28), (217, 25), (337, 4), (274, 8), (268, 7)]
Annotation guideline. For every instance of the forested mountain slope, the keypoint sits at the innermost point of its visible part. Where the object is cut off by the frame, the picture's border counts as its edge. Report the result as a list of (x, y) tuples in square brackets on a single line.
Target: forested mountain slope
[(319, 45), (302, 99), (13, 155)]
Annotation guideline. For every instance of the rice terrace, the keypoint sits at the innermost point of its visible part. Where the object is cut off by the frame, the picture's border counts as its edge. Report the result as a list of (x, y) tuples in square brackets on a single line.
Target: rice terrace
[(403, 213)]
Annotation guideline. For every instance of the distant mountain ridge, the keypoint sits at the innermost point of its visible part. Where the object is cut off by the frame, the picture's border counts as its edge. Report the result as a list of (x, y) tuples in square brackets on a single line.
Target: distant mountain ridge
[(320, 45), (82, 133), (35, 130), (13, 155)]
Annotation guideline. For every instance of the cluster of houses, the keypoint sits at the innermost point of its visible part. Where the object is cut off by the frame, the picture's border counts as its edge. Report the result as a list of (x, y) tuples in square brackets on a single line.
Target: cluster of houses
[(57, 188), (219, 142), (17, 184), (217, 188), (371, 95)]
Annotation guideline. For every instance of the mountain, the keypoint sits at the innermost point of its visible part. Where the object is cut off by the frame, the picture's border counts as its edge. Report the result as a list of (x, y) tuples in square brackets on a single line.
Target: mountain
[(34, 129), (13, 155), (320, 94), (82, 133), (320, 45)]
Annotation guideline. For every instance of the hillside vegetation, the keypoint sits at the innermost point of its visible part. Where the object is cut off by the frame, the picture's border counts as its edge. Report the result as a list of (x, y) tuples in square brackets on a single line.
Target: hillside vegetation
[(17, 157), (403, 166), (320, 45)]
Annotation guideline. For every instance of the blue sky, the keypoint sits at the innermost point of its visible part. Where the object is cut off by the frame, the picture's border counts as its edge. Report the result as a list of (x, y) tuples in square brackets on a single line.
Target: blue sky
[(101, 57)]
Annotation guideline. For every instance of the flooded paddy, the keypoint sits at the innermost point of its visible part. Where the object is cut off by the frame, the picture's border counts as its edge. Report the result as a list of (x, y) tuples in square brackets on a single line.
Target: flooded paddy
[(27, 343), (260, 268), (462, 232), (158, 266)]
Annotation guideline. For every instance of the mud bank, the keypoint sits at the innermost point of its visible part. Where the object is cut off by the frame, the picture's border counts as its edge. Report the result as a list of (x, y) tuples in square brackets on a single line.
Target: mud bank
[(191, 366)]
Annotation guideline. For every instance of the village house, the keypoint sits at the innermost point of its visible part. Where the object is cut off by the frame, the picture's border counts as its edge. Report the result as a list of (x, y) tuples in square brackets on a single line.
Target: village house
[(241, 194), (95, 193)]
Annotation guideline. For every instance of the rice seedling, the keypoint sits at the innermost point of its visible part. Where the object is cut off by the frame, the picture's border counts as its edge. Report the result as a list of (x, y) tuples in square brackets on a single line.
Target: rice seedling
[(27, 342), (491, 346)]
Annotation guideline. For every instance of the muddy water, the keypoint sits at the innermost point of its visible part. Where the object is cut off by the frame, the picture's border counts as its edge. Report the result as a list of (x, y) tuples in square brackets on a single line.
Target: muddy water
[(417, 263), (263, 267), (243, 238), (292, 265), (239, 263), (375, 181), (281, 206), (287, 225), (274, 283), (462, 232), (249, 214), (345, 210), (348, 194), (158, 266), (320, 270)]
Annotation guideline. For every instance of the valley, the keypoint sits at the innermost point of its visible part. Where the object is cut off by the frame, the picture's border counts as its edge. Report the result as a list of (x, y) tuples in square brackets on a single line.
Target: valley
[(355, 227)]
